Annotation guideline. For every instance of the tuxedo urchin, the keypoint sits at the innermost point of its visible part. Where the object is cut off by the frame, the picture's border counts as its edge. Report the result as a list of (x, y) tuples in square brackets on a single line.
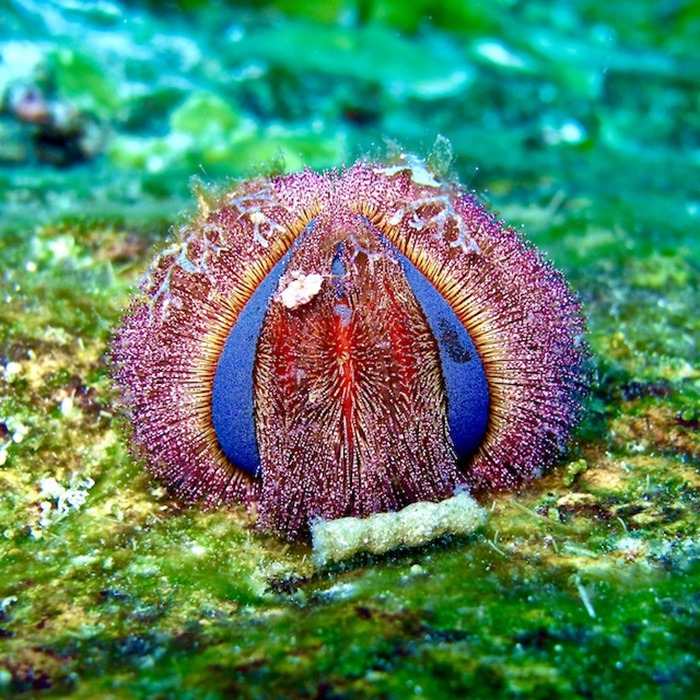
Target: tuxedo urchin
[(319, 345)]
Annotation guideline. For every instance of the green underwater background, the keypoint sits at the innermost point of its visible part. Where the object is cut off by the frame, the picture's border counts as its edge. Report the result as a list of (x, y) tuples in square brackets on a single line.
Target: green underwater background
[(578, 121)]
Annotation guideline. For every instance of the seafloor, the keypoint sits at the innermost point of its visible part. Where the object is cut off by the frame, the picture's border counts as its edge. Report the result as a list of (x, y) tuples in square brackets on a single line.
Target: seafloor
[(578, 120)]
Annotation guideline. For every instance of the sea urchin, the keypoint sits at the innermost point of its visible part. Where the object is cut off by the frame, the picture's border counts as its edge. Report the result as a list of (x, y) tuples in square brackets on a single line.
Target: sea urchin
[(324, 345)]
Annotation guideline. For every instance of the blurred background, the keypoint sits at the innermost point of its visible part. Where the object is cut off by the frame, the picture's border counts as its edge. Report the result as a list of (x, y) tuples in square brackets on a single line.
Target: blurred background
[(581, 100)]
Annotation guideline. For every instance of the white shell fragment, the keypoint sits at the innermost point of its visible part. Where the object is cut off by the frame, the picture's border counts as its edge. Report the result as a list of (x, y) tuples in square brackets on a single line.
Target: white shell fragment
[(298, 288)]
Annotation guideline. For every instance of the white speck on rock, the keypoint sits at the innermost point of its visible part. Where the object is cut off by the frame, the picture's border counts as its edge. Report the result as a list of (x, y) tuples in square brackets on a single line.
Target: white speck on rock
[(58, 500), (12, 370)]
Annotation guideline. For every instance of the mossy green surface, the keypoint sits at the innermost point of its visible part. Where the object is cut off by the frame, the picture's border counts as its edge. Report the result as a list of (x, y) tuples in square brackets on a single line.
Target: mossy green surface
[(574, 120)]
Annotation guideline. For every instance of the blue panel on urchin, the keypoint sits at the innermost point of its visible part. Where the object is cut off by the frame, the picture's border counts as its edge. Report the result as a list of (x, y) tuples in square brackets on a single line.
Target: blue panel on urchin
[(466, 385), (232, 394)]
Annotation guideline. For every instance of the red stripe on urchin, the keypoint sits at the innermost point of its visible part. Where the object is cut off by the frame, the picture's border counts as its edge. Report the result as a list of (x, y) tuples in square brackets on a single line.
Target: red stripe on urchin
[(401, 343), (343, 327), (362, 432), (521, 314)]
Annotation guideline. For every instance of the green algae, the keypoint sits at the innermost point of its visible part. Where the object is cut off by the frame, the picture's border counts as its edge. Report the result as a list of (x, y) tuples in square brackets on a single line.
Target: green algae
[(584, 584)]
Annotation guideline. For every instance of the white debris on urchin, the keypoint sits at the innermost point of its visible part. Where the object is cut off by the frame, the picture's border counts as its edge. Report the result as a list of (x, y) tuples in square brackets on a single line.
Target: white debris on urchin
[(414, 525), (298, 288)]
